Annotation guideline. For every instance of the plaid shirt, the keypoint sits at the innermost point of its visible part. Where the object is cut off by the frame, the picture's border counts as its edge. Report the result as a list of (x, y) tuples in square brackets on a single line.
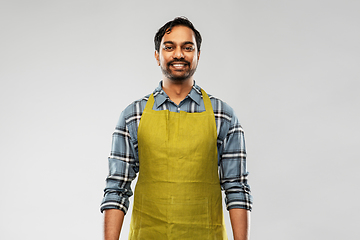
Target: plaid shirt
[(124, 161)]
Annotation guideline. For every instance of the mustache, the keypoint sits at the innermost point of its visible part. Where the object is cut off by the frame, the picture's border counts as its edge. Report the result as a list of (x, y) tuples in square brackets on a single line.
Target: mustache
[(178, 61)]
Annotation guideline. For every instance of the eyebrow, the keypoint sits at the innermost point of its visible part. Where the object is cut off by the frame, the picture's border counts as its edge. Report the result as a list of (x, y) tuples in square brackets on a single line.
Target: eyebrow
[(171, 42)]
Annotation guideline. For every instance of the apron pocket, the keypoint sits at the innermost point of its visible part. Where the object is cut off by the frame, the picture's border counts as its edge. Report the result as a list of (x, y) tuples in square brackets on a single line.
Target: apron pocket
[(152, 219), (189, 211), (189, 218)]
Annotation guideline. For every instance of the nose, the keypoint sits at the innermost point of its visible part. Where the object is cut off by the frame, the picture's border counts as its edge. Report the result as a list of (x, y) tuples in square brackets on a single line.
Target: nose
[(178, 53)]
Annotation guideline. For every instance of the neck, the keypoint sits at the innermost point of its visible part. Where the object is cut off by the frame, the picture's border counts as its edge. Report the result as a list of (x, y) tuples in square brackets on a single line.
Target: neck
[(177, 90)]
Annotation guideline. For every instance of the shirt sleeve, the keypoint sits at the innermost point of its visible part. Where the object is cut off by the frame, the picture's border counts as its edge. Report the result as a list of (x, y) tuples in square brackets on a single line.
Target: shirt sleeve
[(123, 168), (232, 167)]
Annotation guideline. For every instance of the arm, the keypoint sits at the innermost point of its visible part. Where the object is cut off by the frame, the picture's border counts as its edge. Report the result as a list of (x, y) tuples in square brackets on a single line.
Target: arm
[(240, 223), (233, 171), (113, 220), (123, 164), (233, 174)]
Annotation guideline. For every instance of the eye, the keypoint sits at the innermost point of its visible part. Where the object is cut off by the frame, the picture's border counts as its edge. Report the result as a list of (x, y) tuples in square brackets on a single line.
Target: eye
[(189, 48), (168, 48)]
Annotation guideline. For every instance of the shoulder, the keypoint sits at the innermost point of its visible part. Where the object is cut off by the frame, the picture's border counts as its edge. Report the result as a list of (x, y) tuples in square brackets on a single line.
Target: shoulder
[(219, 106), (222, 109), (134, 110), (136, 106)]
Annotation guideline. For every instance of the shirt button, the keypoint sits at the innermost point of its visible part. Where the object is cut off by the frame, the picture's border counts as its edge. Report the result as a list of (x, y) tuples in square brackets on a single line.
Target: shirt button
[(178, 109)]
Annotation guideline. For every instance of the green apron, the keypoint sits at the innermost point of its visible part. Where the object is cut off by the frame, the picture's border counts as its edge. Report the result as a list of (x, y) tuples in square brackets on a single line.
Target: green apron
[(178, 194)]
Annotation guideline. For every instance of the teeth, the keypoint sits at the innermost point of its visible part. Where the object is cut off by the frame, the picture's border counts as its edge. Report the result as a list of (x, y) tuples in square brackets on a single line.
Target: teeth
[(178, 65)]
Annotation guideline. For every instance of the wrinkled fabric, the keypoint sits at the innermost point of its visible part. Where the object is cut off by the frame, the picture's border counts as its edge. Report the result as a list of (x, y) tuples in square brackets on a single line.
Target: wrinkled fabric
[(178, 193)]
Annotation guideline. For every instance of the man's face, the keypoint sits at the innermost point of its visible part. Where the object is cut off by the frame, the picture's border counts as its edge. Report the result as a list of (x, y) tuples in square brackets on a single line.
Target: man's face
[(178, 56)]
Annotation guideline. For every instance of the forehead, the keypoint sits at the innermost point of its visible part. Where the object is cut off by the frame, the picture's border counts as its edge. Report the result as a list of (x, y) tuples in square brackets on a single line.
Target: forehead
[(178, 35)]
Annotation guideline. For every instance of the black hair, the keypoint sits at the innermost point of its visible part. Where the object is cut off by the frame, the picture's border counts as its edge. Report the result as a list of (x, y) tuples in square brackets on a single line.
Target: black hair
[(183, 21)]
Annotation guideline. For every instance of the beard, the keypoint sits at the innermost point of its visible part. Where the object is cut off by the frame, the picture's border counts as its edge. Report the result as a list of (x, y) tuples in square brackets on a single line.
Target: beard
[(186, 74)]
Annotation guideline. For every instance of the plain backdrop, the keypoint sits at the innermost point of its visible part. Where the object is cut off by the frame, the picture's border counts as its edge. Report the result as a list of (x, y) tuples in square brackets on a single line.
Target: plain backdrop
[(290, 69)]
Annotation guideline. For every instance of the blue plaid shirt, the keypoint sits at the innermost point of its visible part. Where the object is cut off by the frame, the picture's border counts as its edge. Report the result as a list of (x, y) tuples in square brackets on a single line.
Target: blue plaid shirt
[(124, 160)]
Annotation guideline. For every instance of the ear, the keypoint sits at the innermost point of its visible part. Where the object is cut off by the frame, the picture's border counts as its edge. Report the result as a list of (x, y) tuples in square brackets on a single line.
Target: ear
[(198, 55), (157, 57)]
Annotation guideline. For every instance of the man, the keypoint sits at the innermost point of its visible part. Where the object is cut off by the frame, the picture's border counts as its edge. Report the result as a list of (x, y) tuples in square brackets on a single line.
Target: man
[(186, 146)]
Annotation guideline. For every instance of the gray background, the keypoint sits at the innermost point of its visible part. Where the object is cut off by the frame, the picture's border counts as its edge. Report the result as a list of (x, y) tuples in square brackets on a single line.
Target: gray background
[(290, 69)]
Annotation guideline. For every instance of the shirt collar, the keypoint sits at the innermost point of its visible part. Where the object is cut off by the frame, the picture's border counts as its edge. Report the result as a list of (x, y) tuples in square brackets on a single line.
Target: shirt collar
[(160, 96)]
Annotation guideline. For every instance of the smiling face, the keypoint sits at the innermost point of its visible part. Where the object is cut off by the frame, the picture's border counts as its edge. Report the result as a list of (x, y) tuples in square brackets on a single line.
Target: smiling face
[(178, 56)]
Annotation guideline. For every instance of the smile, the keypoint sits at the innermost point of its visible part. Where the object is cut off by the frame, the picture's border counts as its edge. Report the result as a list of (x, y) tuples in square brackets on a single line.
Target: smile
[(178, 65)]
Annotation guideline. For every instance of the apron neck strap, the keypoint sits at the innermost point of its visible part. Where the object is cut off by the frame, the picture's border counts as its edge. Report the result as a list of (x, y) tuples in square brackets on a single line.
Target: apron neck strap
[(150, 103), (207, 102)]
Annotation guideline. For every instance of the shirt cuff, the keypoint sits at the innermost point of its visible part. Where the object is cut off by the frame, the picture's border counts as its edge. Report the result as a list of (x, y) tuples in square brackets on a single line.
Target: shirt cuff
[(238, 198), (114, 201)]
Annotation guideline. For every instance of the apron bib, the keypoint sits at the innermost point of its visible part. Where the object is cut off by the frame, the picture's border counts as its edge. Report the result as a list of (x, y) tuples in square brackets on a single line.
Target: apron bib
[(177, 195)]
